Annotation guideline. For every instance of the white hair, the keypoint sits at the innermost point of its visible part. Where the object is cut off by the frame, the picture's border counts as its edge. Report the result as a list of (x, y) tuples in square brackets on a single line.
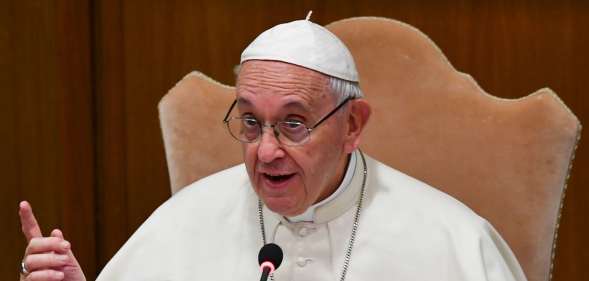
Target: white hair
[(344, 89), (341, 88)]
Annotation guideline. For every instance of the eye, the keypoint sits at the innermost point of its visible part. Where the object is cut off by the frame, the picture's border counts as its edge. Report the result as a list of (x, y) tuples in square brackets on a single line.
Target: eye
[(292, 125), (249, 122)]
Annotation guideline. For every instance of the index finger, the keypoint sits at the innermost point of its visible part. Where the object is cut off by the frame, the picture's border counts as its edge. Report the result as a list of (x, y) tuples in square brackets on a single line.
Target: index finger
[(30, 227)]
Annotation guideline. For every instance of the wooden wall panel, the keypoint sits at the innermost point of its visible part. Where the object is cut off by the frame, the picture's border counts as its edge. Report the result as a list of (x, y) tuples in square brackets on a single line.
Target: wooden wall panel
[(47, 124), (84, 79), (112, 225)]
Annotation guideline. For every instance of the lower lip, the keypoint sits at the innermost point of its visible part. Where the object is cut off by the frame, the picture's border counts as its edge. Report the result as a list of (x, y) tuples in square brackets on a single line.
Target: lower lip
[(276, 186)]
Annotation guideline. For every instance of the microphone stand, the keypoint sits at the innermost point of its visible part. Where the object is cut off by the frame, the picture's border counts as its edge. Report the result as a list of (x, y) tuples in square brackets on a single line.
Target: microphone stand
[(265, 273)]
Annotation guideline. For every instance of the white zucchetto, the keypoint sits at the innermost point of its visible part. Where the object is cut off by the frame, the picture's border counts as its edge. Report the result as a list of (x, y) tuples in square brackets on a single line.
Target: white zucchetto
[(306, 44)]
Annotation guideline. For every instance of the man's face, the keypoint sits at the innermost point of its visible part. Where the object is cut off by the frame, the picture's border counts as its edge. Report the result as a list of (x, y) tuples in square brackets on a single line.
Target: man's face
[(289, 179)]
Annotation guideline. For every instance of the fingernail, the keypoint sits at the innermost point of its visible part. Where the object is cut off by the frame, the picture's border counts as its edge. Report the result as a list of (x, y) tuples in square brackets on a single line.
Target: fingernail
[(65, 244), (59, 274), (62, 257)]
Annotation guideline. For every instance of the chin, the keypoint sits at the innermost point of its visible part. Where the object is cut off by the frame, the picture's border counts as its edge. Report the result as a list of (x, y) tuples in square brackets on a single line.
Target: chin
[(282, 206)]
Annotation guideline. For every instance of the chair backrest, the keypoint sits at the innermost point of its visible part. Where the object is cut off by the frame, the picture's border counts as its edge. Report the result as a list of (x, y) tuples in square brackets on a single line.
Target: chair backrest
[(195, 151), (508, 160)]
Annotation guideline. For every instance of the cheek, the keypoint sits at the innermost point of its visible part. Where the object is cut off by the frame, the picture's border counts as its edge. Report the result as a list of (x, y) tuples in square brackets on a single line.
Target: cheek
[(325, 154), (317, 161)]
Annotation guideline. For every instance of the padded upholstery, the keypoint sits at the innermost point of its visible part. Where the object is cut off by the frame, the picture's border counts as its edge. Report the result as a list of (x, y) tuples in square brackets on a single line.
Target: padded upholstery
[(508, 160), (193, 152)]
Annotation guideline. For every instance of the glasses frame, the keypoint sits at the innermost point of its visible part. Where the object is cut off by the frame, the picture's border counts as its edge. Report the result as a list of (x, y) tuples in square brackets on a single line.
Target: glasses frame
[(276, 131)]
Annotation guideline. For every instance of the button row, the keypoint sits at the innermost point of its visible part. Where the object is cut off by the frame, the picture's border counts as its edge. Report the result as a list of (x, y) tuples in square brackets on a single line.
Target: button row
[(304, 231)]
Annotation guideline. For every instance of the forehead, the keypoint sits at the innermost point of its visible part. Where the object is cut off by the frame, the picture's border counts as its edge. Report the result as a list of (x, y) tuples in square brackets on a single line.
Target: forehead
[(272, 79)]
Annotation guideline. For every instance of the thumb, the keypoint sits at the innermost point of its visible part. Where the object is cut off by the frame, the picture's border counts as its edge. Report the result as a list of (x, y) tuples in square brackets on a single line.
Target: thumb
[(73, 267), (57, 233)]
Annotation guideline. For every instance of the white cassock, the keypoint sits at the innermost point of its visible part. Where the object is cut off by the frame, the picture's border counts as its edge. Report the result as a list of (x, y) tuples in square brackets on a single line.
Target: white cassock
[(407, 231)]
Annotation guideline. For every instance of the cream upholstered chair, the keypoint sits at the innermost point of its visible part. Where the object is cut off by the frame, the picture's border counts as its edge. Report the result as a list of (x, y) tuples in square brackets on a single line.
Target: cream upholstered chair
[(508, 160)]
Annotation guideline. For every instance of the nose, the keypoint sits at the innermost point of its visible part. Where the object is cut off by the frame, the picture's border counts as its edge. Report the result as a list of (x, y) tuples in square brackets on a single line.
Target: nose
[(269, 148)]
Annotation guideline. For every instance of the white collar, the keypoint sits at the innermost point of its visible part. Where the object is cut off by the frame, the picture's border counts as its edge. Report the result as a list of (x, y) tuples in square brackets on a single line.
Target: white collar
[(329, 211), (309, 214)]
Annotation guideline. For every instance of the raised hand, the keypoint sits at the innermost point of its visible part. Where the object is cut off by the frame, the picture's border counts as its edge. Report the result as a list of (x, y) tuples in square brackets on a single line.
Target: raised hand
[(46, 258)]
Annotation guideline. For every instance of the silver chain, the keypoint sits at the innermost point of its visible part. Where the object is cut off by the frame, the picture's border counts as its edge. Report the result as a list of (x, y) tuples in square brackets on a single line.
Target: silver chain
[(348, 255)]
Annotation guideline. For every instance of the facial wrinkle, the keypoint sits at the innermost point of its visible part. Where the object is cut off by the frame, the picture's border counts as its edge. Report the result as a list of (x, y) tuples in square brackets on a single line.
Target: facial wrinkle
[(309, 92), (260, 77)]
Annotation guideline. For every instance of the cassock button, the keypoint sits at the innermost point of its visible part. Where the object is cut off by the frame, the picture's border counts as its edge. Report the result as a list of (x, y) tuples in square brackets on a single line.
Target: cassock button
[(301, 262), (303, 231)]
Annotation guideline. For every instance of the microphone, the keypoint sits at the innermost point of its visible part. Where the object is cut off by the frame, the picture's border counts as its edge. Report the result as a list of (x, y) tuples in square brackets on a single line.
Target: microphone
[(269, 258)]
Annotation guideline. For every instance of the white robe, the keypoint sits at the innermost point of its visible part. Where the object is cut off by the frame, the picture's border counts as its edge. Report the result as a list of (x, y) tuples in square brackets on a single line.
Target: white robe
[(407, 231)]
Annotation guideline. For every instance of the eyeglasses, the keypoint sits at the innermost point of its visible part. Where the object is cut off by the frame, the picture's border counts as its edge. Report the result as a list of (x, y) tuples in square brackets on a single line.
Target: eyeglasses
[(248, 129)]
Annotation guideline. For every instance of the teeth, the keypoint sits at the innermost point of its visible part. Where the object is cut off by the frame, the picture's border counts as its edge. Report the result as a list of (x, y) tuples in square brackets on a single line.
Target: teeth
[(278, 176)]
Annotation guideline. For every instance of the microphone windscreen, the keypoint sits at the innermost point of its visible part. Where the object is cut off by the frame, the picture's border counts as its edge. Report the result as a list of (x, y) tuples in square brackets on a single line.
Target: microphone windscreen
[(272, 253)]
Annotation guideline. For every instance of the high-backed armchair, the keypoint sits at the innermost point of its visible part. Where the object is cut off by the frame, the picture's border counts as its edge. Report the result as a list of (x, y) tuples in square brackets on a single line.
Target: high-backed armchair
[(508, 160)]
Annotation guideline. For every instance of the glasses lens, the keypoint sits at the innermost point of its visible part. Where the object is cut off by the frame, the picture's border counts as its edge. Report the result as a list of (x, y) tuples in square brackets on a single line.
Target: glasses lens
[(244, 129), (292, 132)]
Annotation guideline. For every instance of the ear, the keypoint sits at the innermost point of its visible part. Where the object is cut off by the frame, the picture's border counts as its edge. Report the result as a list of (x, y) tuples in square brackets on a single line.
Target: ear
[(360, 112)]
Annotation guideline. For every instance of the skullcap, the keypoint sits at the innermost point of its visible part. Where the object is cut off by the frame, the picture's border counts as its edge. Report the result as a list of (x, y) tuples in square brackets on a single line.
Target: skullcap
[(306, 44)]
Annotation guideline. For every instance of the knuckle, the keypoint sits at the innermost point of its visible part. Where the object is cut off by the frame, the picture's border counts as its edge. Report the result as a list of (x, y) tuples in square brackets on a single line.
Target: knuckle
[(34, 276), (27, 262), (37, 261), (30, 248), (34, 262)]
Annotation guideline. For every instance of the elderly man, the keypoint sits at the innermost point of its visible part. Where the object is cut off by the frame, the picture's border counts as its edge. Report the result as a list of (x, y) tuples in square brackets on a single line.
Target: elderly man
[(337, 213)]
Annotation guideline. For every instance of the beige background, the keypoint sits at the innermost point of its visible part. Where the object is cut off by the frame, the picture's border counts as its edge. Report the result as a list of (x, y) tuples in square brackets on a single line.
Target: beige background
[(80, 81)]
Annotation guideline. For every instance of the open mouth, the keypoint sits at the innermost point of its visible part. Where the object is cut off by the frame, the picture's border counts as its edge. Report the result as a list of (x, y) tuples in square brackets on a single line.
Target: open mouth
[(278, 178)]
